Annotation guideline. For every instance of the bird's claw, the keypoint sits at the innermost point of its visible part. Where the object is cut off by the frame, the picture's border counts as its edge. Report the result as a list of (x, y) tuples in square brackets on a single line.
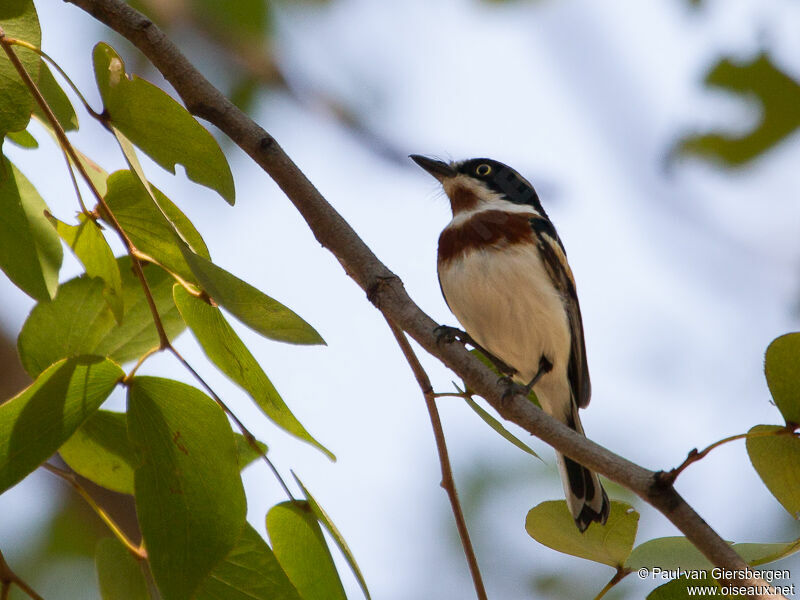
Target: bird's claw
[(512, 389), (447, 335)]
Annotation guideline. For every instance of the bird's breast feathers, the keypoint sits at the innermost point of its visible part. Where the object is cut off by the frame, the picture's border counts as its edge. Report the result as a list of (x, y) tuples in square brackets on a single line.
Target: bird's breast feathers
[(498, 287)]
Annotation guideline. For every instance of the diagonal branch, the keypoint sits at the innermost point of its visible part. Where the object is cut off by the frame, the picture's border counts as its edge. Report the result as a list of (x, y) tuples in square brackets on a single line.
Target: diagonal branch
[(385, 290)]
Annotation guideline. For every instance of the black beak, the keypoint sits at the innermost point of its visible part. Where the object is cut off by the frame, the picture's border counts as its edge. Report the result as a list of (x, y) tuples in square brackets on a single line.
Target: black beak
[(439, 169)]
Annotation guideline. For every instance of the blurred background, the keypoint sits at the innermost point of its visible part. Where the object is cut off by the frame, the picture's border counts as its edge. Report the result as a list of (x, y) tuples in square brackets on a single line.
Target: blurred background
[(661, 137)]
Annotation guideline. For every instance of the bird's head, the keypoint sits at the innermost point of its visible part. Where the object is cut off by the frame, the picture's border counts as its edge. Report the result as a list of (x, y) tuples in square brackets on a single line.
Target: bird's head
[(471, 183)]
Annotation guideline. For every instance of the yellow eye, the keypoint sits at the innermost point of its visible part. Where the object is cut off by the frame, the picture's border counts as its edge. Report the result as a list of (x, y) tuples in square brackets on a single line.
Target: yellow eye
[(483, 170)]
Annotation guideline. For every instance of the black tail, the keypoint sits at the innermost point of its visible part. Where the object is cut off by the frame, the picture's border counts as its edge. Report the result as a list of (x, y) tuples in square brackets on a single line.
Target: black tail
[(586, 498)]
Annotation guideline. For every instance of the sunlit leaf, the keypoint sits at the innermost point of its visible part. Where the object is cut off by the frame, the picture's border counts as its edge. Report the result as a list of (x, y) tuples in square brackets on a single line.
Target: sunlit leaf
[(119, 574), (300, 548), (30, 251), (776, 459), (255, 309), (550, 523), (189, 495), (100, 451), (56, 99), (323, 518), (776, 92), (91, 248), (147, 228), (224, 348), (19, 20), (79, 321), (249, 572), (782, 368), (160, 126), (35, 423), (23, 139)]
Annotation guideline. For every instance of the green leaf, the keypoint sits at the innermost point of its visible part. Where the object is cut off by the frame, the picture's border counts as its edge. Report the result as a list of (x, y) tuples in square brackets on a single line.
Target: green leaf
[(550, 523), (782, 368), (678, 589), (119, 574), (79, 321), (246, 452), (498, 427), (91, 248), (56, 99), (301, 550), (160, 126), (757, 554), (249, 19), (18, 20), (778, 95), (255, 309), (30, 251), (96, 173), (776, 459), (667, 553), (100, 451), (23, 139), (189, 495), (249, 572), (35, 423), (149, 231), (323, 518), (224, 348)]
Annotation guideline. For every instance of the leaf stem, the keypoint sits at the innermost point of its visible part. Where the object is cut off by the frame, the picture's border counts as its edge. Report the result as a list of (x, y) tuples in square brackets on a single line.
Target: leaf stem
[(669, 477), (618, 576), (448, 483), (7, 577), (137, 551)]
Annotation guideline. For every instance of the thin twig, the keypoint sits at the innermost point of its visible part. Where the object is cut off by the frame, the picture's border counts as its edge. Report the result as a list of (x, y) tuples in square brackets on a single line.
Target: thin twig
[(7, 577), (137, 551), (448, 483), (669, 477)]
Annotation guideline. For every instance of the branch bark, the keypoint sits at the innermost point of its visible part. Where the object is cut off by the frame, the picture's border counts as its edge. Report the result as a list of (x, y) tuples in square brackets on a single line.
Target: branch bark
[(385, 290)]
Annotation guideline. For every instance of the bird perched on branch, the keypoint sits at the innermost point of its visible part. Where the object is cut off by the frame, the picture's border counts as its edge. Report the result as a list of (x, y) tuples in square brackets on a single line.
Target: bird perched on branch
[(504, 274)]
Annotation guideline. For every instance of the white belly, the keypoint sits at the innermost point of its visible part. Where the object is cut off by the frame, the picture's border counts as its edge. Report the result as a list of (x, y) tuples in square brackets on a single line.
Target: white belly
[(505, 301)]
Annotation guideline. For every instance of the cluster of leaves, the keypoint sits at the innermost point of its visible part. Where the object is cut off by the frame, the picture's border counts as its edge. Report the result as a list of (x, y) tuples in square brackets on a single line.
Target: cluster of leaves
[(774, 451), (173, 449)]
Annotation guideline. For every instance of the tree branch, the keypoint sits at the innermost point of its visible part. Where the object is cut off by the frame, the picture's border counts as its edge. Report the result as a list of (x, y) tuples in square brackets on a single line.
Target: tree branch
[(448, 483), (385, 290)]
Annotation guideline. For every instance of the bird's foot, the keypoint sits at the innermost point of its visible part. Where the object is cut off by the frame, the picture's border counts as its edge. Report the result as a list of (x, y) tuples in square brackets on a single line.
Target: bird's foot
[(513, 388), (447, 335)]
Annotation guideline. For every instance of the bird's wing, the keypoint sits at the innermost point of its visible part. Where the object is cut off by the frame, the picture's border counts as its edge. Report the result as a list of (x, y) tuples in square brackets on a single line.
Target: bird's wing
[(555, 261)]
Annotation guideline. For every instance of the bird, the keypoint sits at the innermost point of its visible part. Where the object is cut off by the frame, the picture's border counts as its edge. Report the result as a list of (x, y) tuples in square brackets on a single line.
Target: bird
[(504, 274)]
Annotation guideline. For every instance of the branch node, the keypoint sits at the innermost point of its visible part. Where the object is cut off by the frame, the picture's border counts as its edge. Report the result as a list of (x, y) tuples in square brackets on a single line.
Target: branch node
[(376, 286), (266, 143)]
